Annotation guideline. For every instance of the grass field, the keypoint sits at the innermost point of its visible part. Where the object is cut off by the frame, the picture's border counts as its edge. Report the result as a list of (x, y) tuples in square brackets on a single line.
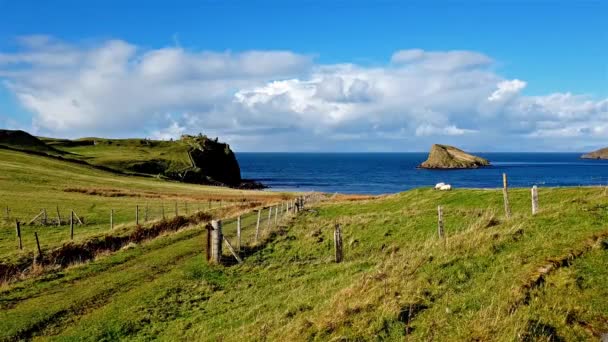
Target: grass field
[(525, 278), (120, 154), (29, 184)]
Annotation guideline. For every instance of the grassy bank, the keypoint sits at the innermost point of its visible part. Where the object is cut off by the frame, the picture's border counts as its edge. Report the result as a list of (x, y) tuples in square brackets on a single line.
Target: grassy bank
[(29, 184), (525, 278)]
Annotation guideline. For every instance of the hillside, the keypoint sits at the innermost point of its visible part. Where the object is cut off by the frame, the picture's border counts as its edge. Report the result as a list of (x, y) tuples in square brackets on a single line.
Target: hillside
[(493, 279), (599, 154), (450, 157), (21, 140), (31, 183), (191, 159)]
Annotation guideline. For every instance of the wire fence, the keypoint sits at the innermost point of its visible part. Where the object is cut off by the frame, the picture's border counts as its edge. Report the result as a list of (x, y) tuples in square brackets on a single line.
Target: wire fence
[(50, 226), (242, 234), (36, 232), (146, 211)]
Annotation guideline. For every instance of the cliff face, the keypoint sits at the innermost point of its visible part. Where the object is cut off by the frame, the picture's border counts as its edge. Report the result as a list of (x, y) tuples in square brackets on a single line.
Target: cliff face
[(212, 161), (450, 157), (599, 154)]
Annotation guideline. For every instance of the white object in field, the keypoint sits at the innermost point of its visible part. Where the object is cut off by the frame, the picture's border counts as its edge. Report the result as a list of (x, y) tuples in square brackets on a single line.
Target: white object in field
[(446, 187), (439, 185)]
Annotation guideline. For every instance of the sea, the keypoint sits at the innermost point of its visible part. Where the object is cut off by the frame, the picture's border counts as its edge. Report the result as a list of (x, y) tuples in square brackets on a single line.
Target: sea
[(384, 173)]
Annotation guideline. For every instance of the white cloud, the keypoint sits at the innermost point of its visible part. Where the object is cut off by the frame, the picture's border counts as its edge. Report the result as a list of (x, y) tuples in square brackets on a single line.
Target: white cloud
[(116, 86), (171, 132), (264, 99), (430, 130), (507, 89)]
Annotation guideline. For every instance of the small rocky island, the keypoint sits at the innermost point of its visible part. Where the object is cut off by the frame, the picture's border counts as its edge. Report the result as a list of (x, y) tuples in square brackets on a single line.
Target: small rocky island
[(450, 157), (599, 154)]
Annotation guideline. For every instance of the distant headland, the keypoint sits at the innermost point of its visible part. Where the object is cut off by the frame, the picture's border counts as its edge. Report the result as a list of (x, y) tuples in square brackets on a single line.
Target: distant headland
[(190, 159), (599, 154)]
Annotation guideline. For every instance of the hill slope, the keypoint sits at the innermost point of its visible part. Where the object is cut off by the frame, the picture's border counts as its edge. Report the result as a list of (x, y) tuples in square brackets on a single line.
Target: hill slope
[(191, 159), (494, 279), (21, 140), (30, 183)]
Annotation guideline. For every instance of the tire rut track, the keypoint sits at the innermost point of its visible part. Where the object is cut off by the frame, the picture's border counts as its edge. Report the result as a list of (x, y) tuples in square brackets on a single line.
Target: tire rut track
[(99, 299), (6, 304), (523, 293)]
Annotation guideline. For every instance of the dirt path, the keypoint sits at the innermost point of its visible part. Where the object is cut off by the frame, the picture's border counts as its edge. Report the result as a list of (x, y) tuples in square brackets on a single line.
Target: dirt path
[(52, 307)]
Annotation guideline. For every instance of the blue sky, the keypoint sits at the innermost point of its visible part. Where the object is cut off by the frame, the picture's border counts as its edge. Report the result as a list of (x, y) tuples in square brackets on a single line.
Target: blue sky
[(554, 47)]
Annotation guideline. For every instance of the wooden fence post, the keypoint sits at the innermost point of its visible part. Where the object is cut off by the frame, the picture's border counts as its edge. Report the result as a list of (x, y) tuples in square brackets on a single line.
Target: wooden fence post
[(216, 242), (440, 222), (78, 218), (162, 210), (534, 200), (111, 219), (72, 225), (58, 216), (338, 243), (269, 216), (35, 218), (137, 215), (257, 226), (209, 229), (505, 195), (38, 245), (238, 233), (235, 254), (276, 215), (176, 212), (19, 234), (146, 213)]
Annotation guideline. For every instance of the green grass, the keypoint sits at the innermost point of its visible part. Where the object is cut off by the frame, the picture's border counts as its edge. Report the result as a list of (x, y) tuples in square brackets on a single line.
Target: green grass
[(121, 154), (398, 279), (29, 184), (156, 158)]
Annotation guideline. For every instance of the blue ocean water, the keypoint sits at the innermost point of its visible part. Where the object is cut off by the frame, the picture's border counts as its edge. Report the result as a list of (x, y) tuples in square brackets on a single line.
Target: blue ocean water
[(379, 173)]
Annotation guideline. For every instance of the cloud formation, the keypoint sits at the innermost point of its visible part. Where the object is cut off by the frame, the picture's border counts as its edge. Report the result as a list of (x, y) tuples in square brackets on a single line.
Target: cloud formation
[(507, 89), (264, 100)]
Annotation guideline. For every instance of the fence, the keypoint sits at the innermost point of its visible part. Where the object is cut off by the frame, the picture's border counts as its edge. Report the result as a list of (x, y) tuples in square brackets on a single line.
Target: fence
[(507, 205), (42, 233), (58, 215), (242, 234), (53, 225)]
